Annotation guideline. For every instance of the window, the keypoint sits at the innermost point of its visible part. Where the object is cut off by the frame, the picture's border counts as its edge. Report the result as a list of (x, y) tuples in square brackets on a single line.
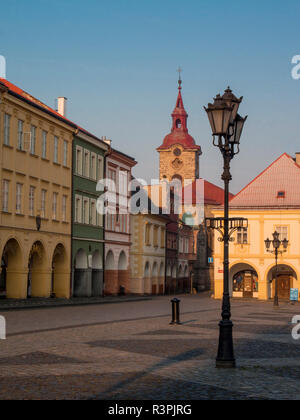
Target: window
[(242, 236), (32, 139), (162, 238), (281, 194), (19, 198), (99, 168), (65, 153), (54, 206), (86, 214), (31, 200), (20, 134), (78, 209), (64, 208), (186, 246), (93, 213), (44, 144), (155, 236), (108, 221), (112, 176), (6, 128), (283, 232), (55, 157), (147, 234), (79, 160), (113, 222), (123, 189), (93, 166), (5, 191), (86, 164), (43, 203), (178, 123)]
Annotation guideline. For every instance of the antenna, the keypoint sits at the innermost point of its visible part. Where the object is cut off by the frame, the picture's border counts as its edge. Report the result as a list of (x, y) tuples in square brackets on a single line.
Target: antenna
[(179, 72)]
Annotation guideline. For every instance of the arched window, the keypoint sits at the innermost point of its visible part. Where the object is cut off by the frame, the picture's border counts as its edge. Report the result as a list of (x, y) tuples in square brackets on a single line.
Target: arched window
[(178, 123)]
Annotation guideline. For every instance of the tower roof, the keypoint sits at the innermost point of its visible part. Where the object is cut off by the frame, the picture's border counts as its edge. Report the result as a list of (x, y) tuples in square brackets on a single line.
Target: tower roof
[(179, 133)]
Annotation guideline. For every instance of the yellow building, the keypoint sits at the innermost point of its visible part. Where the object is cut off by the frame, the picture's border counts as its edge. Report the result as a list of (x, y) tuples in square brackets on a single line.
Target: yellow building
[(148, 253), (270, 202), (35, 203)]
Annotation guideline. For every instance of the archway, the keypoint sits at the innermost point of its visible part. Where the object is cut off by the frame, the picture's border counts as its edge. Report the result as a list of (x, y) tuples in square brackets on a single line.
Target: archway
[(111, 275), (168, 279), (155, 279), (123, 280), (13, 276), (82, 284), (186, 279), (161, 279), (60, 273), (147, 279), (174, 279), (244, 281), (287, 279), (39, 275), (97, 274), (180, 279)]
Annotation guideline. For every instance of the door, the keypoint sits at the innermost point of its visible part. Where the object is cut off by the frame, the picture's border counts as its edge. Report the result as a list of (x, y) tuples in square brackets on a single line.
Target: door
[(248, 285), (284, 285)]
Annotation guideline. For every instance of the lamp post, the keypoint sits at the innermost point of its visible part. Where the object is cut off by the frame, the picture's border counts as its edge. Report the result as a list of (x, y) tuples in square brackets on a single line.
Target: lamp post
[(227, 126), (276, 243)]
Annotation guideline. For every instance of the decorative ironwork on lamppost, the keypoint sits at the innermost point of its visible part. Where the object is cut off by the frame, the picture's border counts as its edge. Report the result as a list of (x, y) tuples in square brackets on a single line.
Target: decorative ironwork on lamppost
[(227, 126), (276, 243)]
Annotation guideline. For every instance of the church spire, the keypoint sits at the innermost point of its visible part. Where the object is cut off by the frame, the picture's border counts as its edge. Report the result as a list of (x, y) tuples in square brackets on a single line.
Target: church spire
[(179, 115)]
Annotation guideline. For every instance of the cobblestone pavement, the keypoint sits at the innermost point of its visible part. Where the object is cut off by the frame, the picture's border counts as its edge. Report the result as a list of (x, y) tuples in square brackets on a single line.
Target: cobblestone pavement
[(129, 351)]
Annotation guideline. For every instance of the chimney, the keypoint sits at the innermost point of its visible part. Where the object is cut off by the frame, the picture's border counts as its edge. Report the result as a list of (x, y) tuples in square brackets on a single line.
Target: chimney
[(62, 106), (107, 141), (298, 158)]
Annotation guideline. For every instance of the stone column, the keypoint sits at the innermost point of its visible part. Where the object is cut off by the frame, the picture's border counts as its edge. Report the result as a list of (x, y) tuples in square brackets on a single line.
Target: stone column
[(16, 283), (111, 282), (61, 284), (41, 283)]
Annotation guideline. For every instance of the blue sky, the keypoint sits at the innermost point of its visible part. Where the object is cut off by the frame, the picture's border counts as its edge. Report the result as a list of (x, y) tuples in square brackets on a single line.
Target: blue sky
[(116, 62)]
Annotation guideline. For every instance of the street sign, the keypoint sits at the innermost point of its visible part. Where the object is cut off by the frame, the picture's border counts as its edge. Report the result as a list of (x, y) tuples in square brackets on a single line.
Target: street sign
[(294, 295), (210, 260)]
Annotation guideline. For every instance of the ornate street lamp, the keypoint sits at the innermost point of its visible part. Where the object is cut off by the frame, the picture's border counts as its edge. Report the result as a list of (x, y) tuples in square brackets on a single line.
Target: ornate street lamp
[(227, 126), (276, 243)]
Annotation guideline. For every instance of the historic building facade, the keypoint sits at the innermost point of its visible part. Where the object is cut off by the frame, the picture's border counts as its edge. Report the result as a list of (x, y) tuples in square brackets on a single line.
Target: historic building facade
[(117, 233), (147, 255), (89, 154), (270, 202), (36, 179)]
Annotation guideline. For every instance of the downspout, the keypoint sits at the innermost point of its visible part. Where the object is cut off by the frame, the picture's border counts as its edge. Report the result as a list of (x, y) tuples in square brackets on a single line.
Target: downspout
[(106, 154), (72, 211)]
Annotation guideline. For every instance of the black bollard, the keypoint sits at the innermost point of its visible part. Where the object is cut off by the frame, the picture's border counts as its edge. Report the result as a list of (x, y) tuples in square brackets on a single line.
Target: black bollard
[(175, 312)]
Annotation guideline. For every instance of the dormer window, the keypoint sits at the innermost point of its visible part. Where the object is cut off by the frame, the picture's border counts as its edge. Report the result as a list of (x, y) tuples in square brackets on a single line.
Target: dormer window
[(281, 194)]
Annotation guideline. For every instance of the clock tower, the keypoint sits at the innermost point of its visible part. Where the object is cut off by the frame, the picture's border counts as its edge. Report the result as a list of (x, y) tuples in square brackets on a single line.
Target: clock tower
[(179, 154)]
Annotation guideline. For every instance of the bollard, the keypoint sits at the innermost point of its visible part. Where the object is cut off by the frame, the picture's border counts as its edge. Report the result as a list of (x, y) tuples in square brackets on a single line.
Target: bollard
[(175, 312)]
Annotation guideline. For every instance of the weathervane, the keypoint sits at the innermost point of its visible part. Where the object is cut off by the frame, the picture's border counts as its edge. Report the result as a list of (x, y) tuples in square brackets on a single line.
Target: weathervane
[(179, 72)]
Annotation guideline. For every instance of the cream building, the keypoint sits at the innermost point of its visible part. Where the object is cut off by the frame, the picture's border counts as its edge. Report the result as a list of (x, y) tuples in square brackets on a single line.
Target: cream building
[(35, 200), (147, 255), (270, 202)]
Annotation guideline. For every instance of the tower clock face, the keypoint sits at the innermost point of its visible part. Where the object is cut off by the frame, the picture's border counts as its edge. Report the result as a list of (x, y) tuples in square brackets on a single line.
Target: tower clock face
[(177, 152)]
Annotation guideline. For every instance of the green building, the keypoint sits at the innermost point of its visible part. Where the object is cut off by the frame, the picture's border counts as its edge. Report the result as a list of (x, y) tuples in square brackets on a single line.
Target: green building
[(89, 154)]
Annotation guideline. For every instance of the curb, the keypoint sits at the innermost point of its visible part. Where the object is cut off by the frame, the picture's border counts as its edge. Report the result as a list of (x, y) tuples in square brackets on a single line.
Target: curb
[(49, 305)]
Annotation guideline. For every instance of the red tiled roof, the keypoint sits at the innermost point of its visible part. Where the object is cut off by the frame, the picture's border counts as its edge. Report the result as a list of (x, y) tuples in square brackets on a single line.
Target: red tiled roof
[(24, 95), (283, 175), (213, 195)]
